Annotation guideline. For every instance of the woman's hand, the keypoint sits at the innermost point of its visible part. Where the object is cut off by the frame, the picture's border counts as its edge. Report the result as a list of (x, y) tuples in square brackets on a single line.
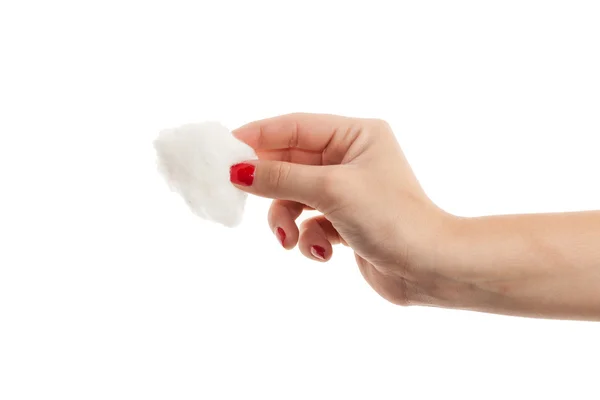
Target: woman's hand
[(354, 173)]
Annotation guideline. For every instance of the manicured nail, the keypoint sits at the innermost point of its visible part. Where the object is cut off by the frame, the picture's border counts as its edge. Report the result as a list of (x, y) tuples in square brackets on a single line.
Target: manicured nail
[(318, 252), (242, 174), (281, 236)]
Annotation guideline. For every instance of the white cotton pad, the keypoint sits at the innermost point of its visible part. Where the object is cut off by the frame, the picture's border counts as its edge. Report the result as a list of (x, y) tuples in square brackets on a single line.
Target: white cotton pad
[(195, 160)]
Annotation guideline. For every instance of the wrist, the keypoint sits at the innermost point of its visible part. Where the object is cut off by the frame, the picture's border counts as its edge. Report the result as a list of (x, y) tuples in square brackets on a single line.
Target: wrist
[(452, 272)]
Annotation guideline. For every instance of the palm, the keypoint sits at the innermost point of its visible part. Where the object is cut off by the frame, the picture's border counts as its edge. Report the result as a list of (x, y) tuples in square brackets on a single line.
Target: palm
[(391, 287)]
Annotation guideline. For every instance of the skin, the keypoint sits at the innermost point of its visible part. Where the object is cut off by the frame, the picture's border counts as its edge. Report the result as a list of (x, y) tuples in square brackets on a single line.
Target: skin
[(411, 252)]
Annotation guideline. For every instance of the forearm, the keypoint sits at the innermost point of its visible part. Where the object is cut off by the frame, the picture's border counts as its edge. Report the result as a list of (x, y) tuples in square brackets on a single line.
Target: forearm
[(539, 265)]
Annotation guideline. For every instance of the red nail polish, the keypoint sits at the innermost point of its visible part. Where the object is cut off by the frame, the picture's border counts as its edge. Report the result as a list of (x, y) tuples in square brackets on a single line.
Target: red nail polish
[(318, 252), (242, 174), (281, 235)]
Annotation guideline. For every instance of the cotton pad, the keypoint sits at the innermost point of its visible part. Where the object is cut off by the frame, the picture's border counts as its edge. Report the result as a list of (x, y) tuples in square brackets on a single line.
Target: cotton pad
[(195, 160)]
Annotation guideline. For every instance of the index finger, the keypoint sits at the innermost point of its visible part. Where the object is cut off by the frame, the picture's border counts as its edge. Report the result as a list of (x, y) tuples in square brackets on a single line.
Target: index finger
[(309, 132)]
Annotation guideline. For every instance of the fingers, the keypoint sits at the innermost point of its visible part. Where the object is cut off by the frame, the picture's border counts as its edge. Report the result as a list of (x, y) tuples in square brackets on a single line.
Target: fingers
[(295, 156), (317, 236), (304, 131), (280, 180), (315, 139), (333, 139), (282, 221)]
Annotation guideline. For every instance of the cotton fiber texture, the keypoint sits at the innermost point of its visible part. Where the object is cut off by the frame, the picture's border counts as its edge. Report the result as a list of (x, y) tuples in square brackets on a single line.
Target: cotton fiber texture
[(195, 160)]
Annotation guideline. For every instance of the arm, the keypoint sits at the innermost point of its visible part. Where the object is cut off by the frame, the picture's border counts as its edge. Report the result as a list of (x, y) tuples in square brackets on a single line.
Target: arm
[(538, 265)]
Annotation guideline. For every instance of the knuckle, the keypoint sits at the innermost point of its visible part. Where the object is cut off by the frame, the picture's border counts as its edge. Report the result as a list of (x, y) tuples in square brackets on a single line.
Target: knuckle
[(272, 215), (307, 225), (378, 125), (261, 137), (381, 123), (294, 137), (279, 174)]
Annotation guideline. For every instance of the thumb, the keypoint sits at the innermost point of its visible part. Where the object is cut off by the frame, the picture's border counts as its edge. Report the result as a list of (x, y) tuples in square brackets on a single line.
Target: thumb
[(279, 180)]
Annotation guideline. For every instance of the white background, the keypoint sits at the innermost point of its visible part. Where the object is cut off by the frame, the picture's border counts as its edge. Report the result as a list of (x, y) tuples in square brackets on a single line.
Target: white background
[(111, 289)]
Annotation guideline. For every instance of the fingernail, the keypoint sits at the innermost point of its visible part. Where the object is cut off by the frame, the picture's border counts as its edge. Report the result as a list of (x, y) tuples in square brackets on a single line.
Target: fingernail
[(242, 174), (281, 236), (318, 252)]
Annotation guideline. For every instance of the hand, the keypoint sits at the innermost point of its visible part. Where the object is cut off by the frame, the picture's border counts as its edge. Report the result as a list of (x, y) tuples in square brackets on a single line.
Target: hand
[(355, 174), (410, 251)]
